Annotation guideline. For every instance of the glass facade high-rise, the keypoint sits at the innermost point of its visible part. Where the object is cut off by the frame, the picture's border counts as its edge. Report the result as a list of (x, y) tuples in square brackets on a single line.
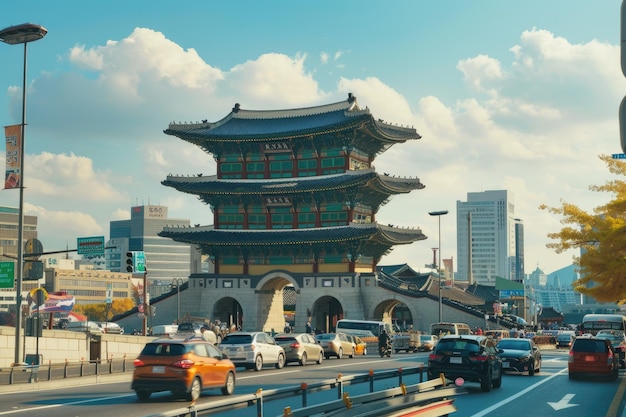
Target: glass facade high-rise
[(165, 258), (9, 219), (487, 220)]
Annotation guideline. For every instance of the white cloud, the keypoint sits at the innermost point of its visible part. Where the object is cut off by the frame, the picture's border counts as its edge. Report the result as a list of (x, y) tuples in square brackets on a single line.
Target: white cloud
[(533, 125)]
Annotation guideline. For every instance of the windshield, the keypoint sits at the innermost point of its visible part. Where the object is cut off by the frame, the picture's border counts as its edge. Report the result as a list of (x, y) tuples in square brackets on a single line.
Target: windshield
[(514, 344)]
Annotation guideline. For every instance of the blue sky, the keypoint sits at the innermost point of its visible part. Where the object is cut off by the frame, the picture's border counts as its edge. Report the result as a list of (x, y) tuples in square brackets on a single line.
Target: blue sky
[(507, 95)]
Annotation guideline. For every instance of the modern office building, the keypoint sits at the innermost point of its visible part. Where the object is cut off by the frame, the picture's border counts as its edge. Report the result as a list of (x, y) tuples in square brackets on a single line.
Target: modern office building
[(166, 259), (9, 219), (489, 238), (87, 285)]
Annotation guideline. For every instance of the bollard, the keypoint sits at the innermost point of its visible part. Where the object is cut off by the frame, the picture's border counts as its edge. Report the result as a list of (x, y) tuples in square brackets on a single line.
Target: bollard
[(303, 387), (339, 387), (347, 400), (124, 363), (65, 369), (259, 403), (421, 372), (287, 412), (371, 373)]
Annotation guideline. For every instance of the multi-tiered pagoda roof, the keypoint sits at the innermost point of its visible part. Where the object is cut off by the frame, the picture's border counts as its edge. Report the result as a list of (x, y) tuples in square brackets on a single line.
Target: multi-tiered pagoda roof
[(349, 131)]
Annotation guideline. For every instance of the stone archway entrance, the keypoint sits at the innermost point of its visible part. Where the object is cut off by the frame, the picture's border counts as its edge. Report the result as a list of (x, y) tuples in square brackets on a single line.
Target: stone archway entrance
[(271, 303), (228, 311), (327, 311), (394, 312)]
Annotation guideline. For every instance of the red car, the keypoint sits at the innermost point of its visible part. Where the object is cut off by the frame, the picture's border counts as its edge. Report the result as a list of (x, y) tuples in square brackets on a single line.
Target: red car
[(590, 356)]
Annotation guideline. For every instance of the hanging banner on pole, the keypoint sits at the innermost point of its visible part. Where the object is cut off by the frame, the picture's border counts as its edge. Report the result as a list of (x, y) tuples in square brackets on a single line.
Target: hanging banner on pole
[(13, 175)]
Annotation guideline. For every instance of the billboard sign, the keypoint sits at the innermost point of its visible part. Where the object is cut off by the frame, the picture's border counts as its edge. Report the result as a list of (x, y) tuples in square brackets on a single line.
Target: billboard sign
[(90, 245)]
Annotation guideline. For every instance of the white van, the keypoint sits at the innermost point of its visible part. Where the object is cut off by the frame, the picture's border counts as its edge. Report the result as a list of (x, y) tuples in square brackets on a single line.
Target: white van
[(442, 329), (84, 326)]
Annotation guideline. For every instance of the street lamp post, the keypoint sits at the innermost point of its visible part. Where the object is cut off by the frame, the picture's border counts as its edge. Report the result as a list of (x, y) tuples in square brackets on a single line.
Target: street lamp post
[(13, 35), (439, 214), (178, 282)]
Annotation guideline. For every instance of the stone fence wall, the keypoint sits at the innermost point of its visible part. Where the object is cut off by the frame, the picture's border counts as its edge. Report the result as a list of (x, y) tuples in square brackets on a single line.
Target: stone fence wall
[(59, 346)]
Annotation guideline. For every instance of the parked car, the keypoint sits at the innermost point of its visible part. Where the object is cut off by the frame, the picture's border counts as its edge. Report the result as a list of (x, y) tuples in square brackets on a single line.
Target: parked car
[(564, 340), (520, 355), (253, 350), (360, 347), (618, 341), (183, 366), (109, 327), (473, 358), (428, 342), (590, 356), (84, 326), (336, 344), (299, 347), (188, 329)]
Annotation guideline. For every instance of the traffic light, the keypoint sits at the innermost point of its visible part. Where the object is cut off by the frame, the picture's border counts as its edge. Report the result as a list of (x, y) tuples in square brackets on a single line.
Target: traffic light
[(130, 267)]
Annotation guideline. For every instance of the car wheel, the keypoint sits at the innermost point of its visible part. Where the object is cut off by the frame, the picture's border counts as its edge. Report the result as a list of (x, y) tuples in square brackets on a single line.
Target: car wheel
[(281, 361), (485, 382), (320, 358), (352, 356), (194, 391), (497, 383), (229, 387), (143, 394), (258, 363), (531, 368), (303, 359), (327, 356), (364, 351), (340, 353)]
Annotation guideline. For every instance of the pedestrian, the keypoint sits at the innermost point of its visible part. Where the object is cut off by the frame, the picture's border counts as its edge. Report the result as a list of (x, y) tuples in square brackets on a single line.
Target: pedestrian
[(208, 335), (307, 328)]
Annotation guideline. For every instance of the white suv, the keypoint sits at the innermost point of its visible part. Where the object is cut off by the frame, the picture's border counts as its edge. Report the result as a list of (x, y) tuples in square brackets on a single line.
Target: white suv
[(252, 350)]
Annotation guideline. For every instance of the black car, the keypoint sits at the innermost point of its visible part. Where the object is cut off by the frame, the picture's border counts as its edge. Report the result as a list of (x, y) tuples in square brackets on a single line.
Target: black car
[(564, 340), (473, 358), (520, 355)]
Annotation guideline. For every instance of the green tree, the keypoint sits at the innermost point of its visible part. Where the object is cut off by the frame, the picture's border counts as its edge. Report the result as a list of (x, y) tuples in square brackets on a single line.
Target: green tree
[(602, 236)]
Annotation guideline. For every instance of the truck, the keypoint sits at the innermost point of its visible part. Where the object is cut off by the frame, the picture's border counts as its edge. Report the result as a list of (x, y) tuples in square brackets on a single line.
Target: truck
[(408, 341)]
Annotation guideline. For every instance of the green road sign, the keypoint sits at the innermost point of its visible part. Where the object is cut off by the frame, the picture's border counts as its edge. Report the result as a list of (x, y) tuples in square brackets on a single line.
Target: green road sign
[(90, 245), (7, 274)]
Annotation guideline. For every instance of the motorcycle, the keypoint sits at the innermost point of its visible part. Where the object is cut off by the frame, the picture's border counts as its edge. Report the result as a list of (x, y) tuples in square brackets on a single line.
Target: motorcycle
[(385, 350)]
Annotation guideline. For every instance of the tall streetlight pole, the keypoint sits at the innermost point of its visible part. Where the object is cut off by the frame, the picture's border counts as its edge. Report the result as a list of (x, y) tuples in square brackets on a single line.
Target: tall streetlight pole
[(439, 214), (13, 35), (178, 282)]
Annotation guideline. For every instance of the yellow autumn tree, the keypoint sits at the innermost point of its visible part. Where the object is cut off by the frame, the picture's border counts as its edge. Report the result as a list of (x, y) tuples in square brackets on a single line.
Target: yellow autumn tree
[(97, 312), (602, 237)]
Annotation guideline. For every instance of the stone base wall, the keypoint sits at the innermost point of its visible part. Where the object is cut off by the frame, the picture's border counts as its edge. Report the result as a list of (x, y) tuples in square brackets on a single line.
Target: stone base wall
[(59, 346)]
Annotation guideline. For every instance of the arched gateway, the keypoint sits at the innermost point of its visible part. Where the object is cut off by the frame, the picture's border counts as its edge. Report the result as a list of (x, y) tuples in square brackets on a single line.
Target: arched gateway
[(294, 204)]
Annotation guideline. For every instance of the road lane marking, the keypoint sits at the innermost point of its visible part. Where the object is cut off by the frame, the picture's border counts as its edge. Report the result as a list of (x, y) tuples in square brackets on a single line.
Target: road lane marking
[(519, 394), (44, 407)]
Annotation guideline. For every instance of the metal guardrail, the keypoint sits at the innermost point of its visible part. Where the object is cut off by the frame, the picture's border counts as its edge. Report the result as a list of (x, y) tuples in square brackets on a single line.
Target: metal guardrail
[(22, 374), (303, 390), (431, 397)]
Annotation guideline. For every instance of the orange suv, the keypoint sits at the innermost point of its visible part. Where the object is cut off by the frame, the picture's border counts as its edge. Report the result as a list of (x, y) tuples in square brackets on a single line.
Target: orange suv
[(183, 366)]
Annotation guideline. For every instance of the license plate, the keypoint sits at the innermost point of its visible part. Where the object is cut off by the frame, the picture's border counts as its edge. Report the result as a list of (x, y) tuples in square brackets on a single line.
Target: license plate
[(456, 359), (158, 369), (589, 358), (505, 364)]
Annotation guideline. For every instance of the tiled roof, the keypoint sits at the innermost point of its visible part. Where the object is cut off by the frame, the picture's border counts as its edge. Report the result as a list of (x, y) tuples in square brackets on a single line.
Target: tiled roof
[(207, 235), (253, 125), (287, 186)]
